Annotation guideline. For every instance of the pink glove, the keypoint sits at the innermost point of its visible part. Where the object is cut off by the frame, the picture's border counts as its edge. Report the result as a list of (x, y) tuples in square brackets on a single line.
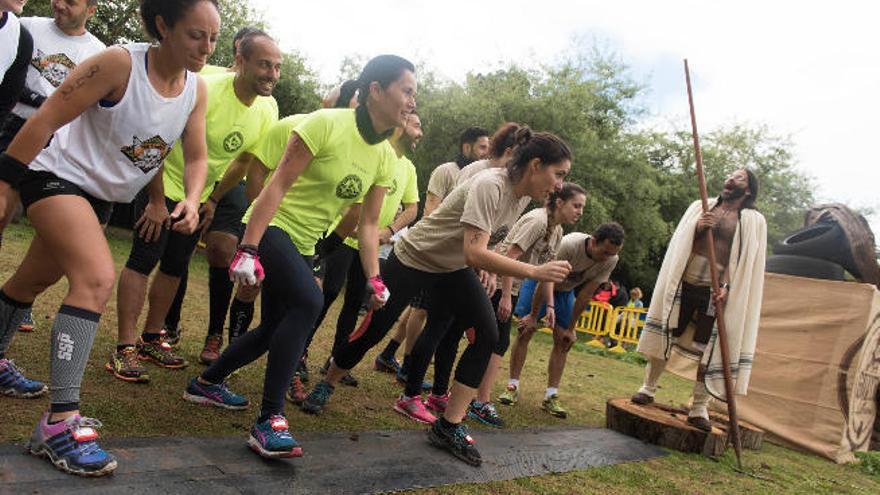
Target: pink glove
[(376, 286), (246, 268)]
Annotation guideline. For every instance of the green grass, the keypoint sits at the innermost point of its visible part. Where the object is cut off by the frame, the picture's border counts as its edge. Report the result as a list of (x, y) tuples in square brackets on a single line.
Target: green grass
[(591, 377)]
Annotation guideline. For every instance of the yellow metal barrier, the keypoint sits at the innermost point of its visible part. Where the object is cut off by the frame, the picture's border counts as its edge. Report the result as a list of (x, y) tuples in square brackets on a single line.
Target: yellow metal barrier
[(598, 324), (626, 323), (622, 324)]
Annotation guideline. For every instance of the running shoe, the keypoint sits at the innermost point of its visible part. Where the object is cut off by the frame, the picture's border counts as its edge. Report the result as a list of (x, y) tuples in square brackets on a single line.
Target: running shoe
[(485, 413), (14, 384), (296, 392), (71, 445), (302, 369), (159, 352), (211, 351), (124, 365), (413, 408), (27, 324), (387, 365), (171, 334), (349, 380), (272, 439), (402, 376), (437, 403), (217, 395), (509, 396), (456, 440), (552, 406), (318, 399)]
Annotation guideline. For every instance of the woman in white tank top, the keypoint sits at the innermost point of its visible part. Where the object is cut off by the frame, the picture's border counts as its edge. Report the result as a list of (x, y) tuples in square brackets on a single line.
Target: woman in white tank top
[(111, 122)]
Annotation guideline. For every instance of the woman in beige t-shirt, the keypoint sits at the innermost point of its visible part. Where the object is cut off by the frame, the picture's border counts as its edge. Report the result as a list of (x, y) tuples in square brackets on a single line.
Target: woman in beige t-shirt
[(437, 255)]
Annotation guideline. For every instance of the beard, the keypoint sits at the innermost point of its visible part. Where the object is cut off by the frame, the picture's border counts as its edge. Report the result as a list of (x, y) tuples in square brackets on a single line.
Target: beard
[(735, 193)]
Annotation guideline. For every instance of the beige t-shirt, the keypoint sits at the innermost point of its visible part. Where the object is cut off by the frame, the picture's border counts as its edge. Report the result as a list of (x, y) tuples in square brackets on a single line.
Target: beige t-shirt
[(535, 238), (574, 250), (436, 243), (472, 170), (442, 179)]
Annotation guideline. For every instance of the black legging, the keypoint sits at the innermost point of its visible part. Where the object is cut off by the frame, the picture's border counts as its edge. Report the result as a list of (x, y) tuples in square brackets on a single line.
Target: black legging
[(459, 291), (441, 324), (342, 267), (291, 302)]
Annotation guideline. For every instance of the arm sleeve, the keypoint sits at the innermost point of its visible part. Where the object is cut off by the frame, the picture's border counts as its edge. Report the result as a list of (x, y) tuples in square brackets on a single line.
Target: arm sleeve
[(13, 80)]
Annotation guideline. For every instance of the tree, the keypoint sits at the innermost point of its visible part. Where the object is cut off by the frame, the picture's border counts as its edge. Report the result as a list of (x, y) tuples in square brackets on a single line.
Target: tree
[(118, 21)]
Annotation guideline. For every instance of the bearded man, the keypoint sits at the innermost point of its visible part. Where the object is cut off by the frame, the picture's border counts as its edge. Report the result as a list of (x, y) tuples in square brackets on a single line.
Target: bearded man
[(680, 325)]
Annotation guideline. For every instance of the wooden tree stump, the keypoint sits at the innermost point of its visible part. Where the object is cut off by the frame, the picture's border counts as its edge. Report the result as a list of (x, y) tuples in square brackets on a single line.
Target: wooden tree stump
[(667, 426)]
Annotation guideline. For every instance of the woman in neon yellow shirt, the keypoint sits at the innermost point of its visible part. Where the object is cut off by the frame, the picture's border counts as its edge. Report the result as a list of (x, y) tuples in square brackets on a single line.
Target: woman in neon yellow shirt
[(329, 160)]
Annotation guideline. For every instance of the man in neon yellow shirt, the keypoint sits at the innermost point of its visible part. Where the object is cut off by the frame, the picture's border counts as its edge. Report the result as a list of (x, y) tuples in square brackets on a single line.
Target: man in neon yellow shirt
[(240, 110)]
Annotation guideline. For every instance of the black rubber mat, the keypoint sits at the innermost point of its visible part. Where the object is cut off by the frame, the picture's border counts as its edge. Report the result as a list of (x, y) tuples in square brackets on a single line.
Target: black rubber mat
[(368, 462)]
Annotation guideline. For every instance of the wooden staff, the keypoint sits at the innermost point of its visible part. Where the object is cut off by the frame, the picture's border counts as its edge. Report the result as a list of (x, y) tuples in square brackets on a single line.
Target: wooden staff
[(719, 309)]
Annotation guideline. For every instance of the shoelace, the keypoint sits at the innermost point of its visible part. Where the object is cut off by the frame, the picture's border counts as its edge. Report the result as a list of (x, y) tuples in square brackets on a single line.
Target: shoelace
[(278, 433), (460, 436), (129, 357), (490, 410), (17, 372), (90, 446)]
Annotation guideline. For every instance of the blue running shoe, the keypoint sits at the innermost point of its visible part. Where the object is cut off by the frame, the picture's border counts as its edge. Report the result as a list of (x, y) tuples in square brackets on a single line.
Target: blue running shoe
[(14, 384), (71, 445), (214, 395), (271, 439), (317, 400)]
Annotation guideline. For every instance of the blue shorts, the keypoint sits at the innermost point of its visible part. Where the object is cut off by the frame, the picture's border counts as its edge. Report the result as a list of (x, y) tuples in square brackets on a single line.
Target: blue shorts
[(563, 302)]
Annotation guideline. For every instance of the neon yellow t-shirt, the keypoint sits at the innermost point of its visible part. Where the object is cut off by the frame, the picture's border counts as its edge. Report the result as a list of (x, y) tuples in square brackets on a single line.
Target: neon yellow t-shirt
[(210, 70), (403, 189), (341, 172), (230, 129)]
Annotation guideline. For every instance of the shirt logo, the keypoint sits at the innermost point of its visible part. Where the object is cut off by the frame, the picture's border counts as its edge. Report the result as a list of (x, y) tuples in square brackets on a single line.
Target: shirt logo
[(147, 154), (350, 187), (233, 142), (393, 189), (54, 68)]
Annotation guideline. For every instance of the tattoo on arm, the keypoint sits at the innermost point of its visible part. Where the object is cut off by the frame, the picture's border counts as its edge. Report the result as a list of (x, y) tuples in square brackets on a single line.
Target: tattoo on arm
[(67, 92), (475, 238)]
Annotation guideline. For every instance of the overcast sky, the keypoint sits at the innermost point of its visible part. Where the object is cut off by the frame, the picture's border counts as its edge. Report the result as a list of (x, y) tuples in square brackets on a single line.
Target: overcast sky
[(808, 70)]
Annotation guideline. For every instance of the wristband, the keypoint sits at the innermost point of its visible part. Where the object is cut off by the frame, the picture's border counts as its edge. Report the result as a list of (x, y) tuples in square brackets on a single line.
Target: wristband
[(211, 199), (392, 230), (249, 249), (12, 171), (551, 307), (725, 285)]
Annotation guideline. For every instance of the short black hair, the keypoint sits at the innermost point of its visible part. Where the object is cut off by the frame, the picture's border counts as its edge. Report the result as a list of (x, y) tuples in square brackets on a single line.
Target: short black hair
[(470, 135), (170, 10), (384, 69), (240, 34), (246, 46), (612, 232)]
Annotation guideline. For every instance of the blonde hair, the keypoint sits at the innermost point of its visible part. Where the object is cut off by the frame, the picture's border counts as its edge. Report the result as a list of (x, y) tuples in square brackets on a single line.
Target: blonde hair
[(635, 293)]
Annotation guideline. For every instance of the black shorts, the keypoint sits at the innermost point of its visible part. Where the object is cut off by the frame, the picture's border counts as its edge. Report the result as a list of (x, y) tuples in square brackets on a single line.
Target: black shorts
[(230, 210), (421, 300), (39, 184)]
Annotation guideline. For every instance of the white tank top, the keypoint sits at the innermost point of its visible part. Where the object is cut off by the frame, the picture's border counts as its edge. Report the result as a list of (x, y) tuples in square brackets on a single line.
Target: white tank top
[(112, 152), (8, 41)]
